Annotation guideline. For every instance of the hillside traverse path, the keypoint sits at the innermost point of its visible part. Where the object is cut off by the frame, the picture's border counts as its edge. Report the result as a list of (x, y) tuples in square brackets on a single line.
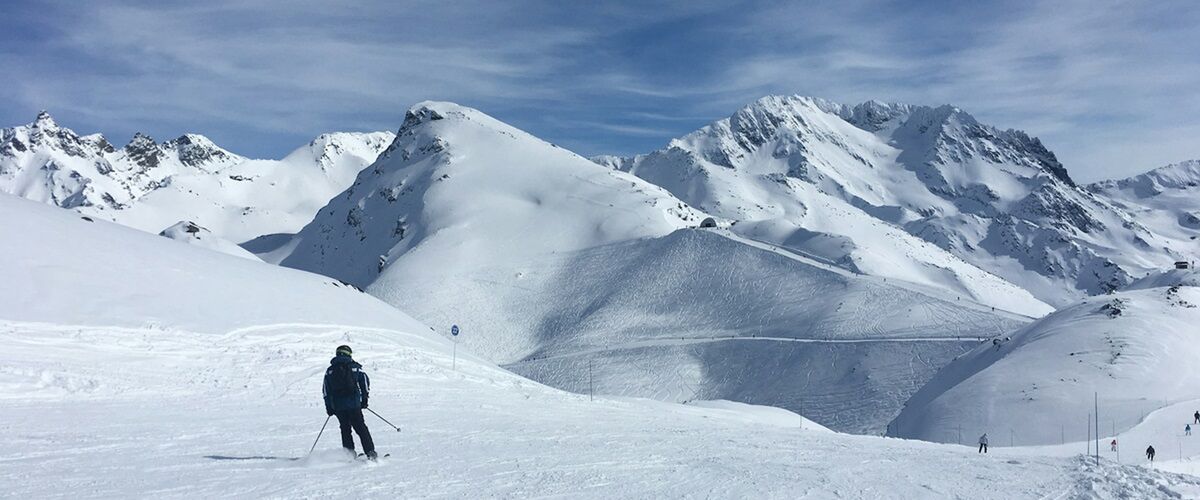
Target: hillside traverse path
[(676, 341)]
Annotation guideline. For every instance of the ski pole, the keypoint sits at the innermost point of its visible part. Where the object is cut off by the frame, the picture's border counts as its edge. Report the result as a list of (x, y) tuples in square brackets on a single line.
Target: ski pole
[(383, 419), (314, 446)]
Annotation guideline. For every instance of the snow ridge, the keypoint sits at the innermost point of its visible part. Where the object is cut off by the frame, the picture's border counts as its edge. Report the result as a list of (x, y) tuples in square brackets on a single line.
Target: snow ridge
[(150, 185), (997, 199)]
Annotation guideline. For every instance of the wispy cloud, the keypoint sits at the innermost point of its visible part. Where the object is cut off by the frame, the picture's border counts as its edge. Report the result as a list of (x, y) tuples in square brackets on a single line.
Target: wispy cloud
[(1109, 85)]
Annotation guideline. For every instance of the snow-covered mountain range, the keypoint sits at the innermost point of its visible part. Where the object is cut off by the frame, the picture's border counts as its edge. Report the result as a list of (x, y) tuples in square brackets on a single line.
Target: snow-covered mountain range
[(150, 185), (138, 358), (551, 262), (872, 234), (810, 174), (1165, 200)]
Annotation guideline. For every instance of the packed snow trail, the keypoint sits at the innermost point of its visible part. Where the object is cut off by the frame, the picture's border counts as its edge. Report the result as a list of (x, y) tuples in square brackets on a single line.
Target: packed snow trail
[(847, 386), (1162, 426), (172, 413), (814, 260), (684, 341)]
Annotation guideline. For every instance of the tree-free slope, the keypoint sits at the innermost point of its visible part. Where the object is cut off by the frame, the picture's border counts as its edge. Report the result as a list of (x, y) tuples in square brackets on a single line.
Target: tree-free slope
[(459, 191), (864, 185), (546, 261), (158, 369), (1166, 200), (150, 185), (1136, 348), (64, 269)]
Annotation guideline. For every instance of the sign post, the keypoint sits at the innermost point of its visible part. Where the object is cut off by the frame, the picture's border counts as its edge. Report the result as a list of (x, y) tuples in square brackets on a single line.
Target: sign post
[(454, 334)]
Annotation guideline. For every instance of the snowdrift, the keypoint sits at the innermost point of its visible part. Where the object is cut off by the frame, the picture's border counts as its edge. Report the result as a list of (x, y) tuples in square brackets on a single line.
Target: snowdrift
[(1137, 349)]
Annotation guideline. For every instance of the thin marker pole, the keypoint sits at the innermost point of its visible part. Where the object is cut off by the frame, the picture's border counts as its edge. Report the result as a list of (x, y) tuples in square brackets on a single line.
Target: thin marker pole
[(1096, 403), (454, 340)]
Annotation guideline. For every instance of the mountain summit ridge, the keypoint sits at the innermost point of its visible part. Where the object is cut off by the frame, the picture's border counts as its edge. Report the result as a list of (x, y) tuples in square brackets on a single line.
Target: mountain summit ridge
[(999, 199), (189, 177)]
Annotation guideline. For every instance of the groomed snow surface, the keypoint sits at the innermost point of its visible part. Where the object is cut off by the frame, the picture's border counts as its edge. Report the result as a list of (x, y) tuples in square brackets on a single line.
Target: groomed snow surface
[(133, 365), (1136, 349), (217, 415)]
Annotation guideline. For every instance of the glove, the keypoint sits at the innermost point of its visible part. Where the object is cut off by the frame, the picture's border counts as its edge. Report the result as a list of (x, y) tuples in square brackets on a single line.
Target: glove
[(364, 405), (328, 412)]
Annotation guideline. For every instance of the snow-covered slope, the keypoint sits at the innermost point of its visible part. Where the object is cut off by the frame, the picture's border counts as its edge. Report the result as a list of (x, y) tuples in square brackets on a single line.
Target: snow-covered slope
[(1136, 348), (1166, 200), (548, 261), (864, 185), (194, 234), (148, 185), (698, 314), (61, 268), (1172, 277), (459, 190), (137, 367)]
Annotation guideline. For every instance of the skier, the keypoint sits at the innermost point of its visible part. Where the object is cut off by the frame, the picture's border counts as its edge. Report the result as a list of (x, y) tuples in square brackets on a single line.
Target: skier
[(1196, 416), (345, 390), (1187, 430), (1150, 453), (1113, 445), (983, 443)]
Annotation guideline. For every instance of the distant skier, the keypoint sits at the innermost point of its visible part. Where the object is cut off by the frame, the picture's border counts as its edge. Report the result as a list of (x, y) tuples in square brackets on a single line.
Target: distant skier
[(1187, 430), (1113, 445), (983, 441), (1196, 417), (346, 390), (1150, 453)]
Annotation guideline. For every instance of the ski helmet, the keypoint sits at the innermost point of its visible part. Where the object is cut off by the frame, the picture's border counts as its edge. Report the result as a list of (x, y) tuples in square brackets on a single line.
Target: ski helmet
[(344, 350)]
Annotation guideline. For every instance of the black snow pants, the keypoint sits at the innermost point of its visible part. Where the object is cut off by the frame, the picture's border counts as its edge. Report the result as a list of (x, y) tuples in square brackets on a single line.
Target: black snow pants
[(982, 447), (353, 419)]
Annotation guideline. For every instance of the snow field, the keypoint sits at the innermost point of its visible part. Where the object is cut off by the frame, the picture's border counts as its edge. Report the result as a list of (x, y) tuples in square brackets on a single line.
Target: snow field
[(208, 422), (1137, 349), (137, 366)]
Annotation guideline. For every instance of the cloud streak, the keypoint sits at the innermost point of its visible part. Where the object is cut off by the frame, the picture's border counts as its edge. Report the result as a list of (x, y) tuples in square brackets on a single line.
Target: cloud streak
[(1107, 85)]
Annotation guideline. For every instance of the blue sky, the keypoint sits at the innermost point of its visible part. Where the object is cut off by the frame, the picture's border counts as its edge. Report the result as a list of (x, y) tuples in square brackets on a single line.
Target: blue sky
[(1110, 87)]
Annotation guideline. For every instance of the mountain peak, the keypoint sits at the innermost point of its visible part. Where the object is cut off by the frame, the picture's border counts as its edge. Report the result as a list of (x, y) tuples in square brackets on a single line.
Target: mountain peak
[(193, 139), (195, 150), (431, 111), (140, 141), (44, 121), (1182, 175), (143, 150), (872, 115)]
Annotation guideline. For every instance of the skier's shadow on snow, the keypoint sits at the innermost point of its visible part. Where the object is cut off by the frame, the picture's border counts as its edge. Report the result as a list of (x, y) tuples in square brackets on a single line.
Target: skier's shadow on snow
[(256, 457)]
